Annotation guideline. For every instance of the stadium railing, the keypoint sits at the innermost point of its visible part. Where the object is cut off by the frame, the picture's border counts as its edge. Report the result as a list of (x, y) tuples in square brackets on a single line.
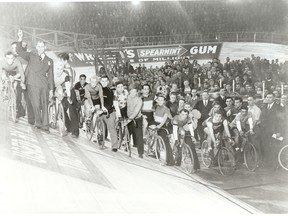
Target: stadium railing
[(88, 41)]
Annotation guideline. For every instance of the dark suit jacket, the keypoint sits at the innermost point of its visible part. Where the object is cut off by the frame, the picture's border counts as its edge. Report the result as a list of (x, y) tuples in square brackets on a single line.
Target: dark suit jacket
[(203, 110), (270, 119), (221, 101), (38, 73)]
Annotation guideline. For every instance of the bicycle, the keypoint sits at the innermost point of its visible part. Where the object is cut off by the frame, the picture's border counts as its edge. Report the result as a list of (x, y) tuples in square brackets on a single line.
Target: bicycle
[(283, 153), (223, 156), (56, 114), (182, 153), (96, 128), (123, 135), (12, 99), (155, 146), (247, 152)]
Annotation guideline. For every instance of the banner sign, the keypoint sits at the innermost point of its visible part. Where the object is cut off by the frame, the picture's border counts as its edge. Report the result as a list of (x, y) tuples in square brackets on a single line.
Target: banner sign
[(147, 54)]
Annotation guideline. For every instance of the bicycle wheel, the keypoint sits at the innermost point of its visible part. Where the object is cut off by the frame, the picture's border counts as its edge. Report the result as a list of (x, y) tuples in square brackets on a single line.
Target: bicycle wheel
[(101, 129), (52, 116), (250, 156), (12, 104), (226, 162), (205, 155), (81, 119), (61, 120), (283, 157), (160, 150), (126, 140), (187, 160)]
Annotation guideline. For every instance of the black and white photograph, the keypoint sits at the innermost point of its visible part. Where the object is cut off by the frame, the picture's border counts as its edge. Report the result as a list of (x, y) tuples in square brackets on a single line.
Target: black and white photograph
[(144, 107)]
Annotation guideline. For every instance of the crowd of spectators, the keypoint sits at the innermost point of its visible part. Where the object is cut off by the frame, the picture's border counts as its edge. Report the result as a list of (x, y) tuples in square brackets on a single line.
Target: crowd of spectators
[(115, 19)]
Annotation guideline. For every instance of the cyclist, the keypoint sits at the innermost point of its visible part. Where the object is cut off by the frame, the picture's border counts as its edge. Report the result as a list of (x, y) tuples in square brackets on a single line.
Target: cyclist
[(11, 69), (162, 116), (216, 125), (120, 100), (147, 108), (79, 89), (94, 96), (241, 124), (184, 122)]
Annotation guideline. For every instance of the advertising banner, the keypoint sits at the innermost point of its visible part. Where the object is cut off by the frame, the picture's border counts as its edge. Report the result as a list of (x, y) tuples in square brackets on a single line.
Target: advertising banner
[(147, 54)]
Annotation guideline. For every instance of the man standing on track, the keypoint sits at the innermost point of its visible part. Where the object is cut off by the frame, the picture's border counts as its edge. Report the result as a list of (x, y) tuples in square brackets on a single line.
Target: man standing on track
[(39, 81)]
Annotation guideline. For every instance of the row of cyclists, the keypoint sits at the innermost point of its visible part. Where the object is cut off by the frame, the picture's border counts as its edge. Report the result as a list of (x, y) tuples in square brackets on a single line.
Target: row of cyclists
[(154, 113), (150, 110)]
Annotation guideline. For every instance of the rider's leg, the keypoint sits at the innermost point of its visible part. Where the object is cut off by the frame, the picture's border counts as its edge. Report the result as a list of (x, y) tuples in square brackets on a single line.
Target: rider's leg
[(236, 135), (87, 109), (209, 139), (189, 142)]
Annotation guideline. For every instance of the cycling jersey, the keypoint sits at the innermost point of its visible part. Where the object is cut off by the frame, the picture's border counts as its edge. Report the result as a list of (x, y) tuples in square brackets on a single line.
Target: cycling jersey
[(81, 89), (13, 69), (243, 120), (182, 123), (93, 93), (218, 127), (121, 98), (159, 113)]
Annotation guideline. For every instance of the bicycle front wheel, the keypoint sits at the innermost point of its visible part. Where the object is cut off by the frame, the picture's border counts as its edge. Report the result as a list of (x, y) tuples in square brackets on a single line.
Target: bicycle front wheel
[(283, 157), (126, 140), (187, 162), (205, 155), (250, 157), (160, 150), (61, 120), (226, 162), (52, 116), (12, 105), (101, 130)]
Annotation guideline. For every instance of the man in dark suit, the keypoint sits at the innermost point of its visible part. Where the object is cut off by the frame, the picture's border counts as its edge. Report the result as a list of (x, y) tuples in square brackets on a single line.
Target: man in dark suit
[(39, 79), (221, 99), (269, 126), (203, 106)]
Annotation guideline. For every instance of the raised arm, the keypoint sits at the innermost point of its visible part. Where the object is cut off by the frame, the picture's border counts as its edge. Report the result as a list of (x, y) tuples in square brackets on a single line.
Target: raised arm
[(19, 49)]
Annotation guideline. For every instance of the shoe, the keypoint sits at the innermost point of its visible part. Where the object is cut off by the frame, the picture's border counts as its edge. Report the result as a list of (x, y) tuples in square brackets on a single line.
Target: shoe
[(114, 150), (37, 127), (74, 136), (46, 131), (141, 156)]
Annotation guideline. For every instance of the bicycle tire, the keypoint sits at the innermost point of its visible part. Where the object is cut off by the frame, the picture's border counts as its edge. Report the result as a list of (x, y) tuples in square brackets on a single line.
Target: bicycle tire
[(90, 128), (205, 155), (148, 144), (12, 104), (81, 119), (226, 162), (119, 134), (187, 160), (160, 150), (52, 116), (250, 156), (126, 139), (283, 157), (61, 120), (101, 130)]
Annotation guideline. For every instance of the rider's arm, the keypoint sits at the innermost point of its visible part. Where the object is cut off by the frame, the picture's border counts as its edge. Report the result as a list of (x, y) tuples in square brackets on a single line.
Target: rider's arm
[(101, 95), (117, 109), (163, 120), (19, 49), (238, 125), (226, 128), (20, 71), (211, 132), (175, 132), (250, 122), (88, 96), (191, 129)]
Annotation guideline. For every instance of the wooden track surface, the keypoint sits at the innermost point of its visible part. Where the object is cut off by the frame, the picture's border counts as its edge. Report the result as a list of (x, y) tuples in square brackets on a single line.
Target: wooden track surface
[(45, 173)]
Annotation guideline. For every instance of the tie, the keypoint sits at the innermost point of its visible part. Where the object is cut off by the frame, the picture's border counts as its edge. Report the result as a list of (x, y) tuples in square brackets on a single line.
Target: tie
[(40, 57), (269, 106), (205, 103)]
